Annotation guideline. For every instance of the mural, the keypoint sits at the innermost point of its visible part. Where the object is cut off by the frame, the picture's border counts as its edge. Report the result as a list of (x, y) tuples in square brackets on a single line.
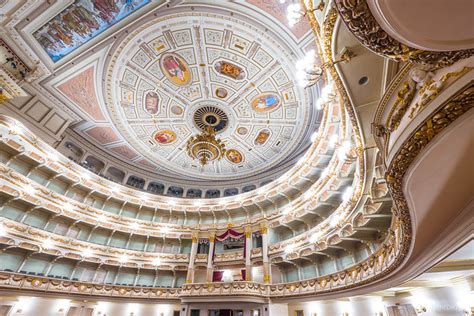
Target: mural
[(165, 136), (229, 70), (177, 110), (262, 137), (80, 22), (234, 156), (221, 93), (242, 130), (265, 102), (175, 68), (151, 103)]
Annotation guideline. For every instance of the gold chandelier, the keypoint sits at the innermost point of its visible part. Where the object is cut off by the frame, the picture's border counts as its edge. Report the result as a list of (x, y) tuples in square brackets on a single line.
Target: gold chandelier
[(205, 147)]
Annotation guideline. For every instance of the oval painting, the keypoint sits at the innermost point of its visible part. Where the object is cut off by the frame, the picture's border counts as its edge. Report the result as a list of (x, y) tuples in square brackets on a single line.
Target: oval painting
[(265, 102), (175, 68), (262, 137), (177, 110), (151, 102), (229, 70), (234, 156), (221, 93), (165, 136), (242, 131)]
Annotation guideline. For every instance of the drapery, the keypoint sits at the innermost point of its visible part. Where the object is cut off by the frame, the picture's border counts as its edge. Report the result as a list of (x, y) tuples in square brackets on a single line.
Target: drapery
[(229, 233), (244, 274), (217, 276)]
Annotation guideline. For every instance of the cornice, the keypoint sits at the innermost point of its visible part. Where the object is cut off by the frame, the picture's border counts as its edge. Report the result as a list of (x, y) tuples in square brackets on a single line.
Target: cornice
[(360, 21)]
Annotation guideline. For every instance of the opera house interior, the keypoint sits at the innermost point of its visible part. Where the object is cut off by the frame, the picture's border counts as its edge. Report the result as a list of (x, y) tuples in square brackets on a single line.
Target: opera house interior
[(236, 158)]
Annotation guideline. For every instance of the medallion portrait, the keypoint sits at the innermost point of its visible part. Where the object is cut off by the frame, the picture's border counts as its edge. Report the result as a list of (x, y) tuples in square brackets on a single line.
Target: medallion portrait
[(151, 103), (165, 136), (265, 102), (234, 156), (262, 137), (175, 69)]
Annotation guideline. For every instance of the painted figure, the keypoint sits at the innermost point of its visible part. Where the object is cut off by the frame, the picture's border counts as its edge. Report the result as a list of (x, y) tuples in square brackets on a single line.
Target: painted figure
[(234, 156), (262, 137), (80, 22), (175, 68), (151, 103), (265, 102), (229, 70), (106, 9), (165, 136)]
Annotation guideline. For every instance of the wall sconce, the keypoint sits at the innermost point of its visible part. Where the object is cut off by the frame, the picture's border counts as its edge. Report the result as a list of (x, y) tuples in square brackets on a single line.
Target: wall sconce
[(295, 12), (308, 73)]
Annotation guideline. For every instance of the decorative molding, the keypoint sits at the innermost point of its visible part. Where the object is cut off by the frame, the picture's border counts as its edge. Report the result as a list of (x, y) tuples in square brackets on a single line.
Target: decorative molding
[(360, 21)]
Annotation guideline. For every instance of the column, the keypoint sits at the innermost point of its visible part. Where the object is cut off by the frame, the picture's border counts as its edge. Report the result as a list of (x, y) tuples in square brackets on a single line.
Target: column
[(266, 265), (248, 254), (212, 238), (192, 257)]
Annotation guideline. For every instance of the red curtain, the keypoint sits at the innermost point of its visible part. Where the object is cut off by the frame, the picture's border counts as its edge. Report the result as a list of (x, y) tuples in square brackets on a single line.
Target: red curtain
[(229, 233), (217, 276), (244, 273)]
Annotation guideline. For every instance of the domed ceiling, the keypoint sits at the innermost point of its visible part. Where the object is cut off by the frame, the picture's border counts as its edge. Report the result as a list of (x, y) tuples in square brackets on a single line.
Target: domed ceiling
[(194, 64), (177, 71)]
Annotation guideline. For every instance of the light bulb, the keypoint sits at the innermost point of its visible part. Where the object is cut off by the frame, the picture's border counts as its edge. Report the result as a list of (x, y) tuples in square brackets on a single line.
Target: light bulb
[(347, 194)]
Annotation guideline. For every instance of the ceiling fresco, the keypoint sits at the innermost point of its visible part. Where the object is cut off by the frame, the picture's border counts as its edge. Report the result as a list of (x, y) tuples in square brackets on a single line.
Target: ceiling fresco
[(80, 22), (169, 70), (143, 92)]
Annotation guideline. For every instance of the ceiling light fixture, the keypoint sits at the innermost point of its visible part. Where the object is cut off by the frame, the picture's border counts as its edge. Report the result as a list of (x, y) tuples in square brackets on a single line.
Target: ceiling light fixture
[(294, 11), (205, 147), (156, 261), (47, 243), (347, 194), (314, 237), (16, 129), (2, 230), (308, 72), (123, 258), (87, 252), (29, 189)]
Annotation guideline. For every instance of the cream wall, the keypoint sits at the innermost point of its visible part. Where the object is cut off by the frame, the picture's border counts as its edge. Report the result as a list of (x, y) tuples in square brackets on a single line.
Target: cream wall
[(41, 306)]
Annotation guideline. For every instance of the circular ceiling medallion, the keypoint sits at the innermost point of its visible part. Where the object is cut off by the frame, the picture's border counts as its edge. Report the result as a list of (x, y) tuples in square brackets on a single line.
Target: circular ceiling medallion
[(177, 110), (221, 93), (242, 131), (266, 102), (184, 71), (210, 116), (175, 69), (165, 137)]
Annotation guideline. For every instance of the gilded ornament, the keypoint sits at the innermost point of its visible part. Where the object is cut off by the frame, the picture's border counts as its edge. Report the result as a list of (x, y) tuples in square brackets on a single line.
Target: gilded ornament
[(404, 98), (360, 21)]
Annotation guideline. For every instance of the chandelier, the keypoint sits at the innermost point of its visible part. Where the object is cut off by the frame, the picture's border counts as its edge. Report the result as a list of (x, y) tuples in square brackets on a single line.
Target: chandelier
[(205, 147)]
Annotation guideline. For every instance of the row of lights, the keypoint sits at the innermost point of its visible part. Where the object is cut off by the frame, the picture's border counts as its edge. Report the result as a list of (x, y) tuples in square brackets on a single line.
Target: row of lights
[(29, 189), (86, 252)]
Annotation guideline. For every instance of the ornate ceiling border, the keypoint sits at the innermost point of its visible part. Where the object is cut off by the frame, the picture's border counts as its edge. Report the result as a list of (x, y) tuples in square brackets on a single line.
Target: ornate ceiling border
[(359, 20)]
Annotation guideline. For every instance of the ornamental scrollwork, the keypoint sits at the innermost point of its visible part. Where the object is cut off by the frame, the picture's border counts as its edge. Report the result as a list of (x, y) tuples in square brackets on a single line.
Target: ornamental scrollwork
[(360, 21)]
